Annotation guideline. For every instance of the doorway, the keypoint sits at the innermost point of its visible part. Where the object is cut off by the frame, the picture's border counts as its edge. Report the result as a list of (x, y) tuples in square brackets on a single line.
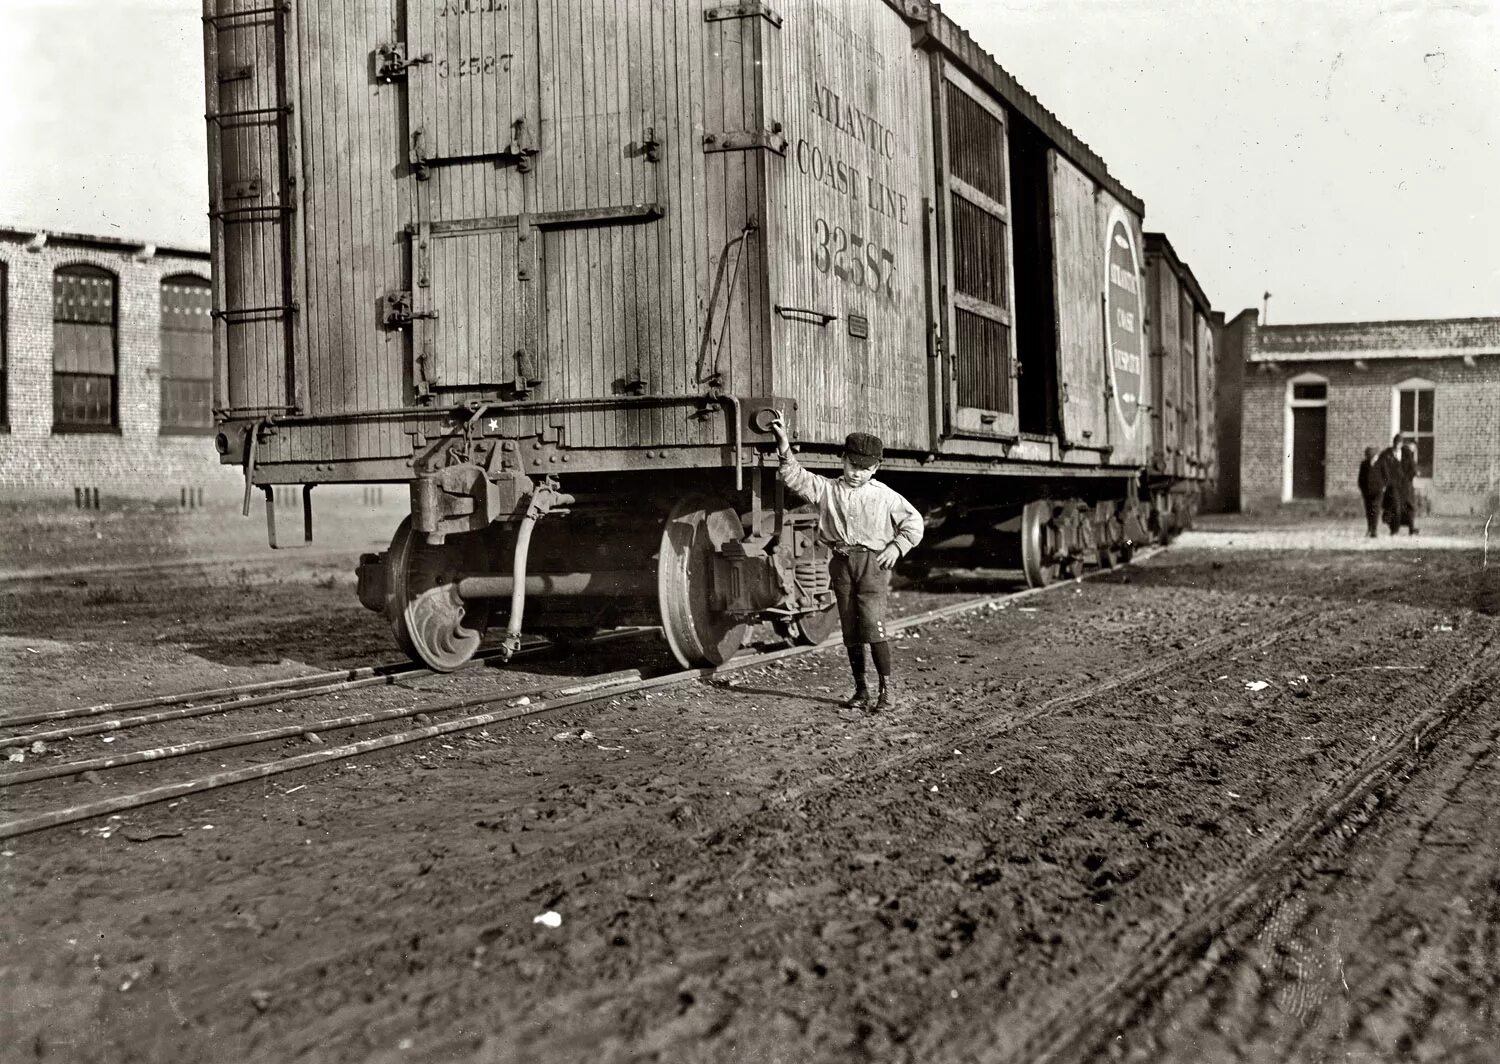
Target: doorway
[(1306, 470), (1309, 452)]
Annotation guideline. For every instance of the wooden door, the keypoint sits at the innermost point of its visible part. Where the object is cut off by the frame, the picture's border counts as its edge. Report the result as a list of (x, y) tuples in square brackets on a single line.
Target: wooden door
[(1079, 271), (1309, 451), (977, 279), (472, 86)]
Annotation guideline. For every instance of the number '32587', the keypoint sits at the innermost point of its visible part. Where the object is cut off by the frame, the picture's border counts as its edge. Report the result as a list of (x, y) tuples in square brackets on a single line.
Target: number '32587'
[(854, 260), (473, 66)]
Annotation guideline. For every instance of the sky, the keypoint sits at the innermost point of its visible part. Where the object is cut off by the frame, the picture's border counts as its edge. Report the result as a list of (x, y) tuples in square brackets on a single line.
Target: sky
[(1343, 156)]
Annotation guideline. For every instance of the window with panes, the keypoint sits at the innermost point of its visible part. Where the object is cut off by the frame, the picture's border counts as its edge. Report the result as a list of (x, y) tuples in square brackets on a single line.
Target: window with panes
[(4, 353), (187, 366), (982, 318), (1414, 406), (84, 393)]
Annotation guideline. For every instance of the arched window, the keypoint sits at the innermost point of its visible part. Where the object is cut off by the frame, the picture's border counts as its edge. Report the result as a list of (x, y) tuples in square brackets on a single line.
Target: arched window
[(1412, 403), (84, 397), (187, 356)]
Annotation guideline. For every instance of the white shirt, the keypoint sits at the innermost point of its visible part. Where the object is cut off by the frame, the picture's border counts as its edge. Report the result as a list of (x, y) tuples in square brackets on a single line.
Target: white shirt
[(871, 515)]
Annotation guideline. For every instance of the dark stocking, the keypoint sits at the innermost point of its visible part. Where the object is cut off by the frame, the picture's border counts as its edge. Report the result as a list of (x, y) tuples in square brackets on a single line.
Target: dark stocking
[(857, 663), (881, 652)]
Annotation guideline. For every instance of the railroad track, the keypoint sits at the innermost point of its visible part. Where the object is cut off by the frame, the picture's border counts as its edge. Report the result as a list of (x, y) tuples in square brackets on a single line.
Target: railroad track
[(247, 696), (1081, 1032), (522, 703)]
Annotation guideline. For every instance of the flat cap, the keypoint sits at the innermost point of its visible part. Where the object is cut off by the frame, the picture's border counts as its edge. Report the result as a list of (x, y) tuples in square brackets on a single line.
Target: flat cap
[(863, 449)]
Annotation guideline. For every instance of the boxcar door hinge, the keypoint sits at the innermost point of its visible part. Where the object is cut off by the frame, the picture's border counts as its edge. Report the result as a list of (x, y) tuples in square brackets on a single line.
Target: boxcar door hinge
[(746, 139), (728, 12), (418, 156), (391, 62), (528, 375), (520, 147), (396, 310)]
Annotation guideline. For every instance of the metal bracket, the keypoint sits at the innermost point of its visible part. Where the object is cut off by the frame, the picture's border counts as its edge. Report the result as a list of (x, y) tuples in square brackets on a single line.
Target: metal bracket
[(527, 375), (729, 12), (396, 310), (246, 189), (391, 62), (418, 156), (817, 317), (307, 531), (746, 140), (651, 145), (518, 148)]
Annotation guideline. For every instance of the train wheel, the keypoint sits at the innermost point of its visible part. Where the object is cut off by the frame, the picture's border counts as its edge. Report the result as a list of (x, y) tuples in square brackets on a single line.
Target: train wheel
[(697, 633), (1036, 554), (810, 629), (432, 624)]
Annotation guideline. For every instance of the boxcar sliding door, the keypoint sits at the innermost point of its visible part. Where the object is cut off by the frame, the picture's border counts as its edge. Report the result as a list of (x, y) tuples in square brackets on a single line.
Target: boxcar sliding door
[(976, 274)]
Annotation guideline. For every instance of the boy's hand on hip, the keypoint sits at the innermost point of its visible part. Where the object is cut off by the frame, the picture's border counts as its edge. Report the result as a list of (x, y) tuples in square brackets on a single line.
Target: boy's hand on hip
[(889, 557)]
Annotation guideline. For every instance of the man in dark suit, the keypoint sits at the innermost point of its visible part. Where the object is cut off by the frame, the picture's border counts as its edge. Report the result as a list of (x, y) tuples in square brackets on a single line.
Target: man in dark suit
[(1393, 499), (1409, 487), (1371, 488)]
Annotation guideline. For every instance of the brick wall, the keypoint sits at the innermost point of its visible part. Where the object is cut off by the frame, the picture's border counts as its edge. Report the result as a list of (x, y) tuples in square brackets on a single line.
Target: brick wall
[(136, 461), (1466, 424)]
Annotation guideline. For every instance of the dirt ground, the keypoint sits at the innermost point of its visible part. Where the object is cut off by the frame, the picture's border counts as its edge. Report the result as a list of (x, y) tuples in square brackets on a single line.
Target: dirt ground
[(1094, 829)]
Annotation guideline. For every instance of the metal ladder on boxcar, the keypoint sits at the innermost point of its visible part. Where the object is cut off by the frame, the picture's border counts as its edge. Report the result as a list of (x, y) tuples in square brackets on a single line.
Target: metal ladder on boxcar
[(282, 305)]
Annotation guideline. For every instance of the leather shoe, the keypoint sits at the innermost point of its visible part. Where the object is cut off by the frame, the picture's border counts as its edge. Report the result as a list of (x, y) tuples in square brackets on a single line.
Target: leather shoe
[(859, 700)]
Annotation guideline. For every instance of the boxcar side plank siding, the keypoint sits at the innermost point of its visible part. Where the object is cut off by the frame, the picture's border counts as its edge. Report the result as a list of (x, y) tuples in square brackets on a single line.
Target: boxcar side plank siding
[(320, 161), (835, 220), (1079, 261), (676, 267)]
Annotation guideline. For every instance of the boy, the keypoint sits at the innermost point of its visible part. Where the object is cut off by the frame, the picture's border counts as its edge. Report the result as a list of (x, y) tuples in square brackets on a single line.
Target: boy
[(869, 527)]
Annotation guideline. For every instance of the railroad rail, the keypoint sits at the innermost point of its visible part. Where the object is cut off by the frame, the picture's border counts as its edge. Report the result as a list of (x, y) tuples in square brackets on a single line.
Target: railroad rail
[(582, 691), (249, 696)]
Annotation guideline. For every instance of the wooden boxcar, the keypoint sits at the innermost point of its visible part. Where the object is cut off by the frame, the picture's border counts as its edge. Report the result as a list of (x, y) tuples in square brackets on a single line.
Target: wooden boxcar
[(1182, 331), (550, 263)]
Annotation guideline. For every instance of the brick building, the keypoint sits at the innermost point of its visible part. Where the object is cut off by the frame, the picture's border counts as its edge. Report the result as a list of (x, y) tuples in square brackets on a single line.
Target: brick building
[(106, 368), (1299, 404)]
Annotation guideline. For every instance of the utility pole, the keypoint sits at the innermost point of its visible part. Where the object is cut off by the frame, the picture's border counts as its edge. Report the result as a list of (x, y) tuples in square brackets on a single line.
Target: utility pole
[(1265, 308)]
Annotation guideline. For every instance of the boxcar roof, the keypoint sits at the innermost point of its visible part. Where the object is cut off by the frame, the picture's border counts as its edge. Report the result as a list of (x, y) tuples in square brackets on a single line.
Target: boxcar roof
[(978, 63), (1158, 244)]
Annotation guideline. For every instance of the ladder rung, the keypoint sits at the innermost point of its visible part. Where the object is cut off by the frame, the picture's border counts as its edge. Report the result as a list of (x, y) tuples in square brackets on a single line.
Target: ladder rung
[(269, 208), (240, 313), (285, 108), (224, 16)]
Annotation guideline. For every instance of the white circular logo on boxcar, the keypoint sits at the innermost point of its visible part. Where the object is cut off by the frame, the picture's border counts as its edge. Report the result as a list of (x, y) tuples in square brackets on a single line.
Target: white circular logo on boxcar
[(1123, 318)]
